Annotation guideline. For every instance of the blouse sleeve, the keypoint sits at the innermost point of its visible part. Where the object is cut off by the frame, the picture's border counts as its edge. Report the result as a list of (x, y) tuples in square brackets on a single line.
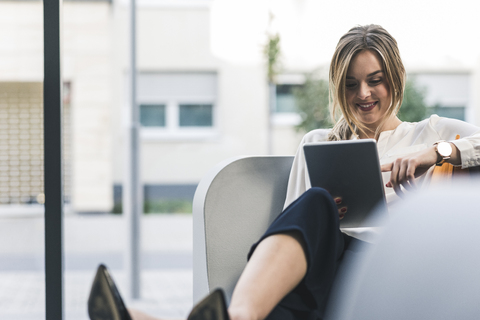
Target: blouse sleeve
[(469, 142), (299, 181)]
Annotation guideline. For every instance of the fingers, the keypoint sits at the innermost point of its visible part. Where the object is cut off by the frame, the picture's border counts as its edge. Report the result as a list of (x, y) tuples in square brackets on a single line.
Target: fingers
[(404, 170), (342, 210), (394, 177), (403, 175), (386, 167), (410, 175), (403, 178)]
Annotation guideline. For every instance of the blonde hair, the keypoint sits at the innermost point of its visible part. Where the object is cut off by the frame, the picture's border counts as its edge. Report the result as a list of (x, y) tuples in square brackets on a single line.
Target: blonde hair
[(360, 38)]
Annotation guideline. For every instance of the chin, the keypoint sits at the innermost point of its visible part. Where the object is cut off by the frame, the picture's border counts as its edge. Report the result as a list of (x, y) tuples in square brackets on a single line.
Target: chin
[(368, 120)]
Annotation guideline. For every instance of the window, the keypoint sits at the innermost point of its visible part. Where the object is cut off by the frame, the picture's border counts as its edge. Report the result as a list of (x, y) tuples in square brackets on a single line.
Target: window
[(21, 143), (152, 115), (285, 100), (285, 112), (196, 115), (177, 104), (448, 112)]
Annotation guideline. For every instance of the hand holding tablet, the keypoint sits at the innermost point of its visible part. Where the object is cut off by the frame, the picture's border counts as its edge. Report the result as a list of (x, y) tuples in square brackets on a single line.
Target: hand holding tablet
[(350, 170)]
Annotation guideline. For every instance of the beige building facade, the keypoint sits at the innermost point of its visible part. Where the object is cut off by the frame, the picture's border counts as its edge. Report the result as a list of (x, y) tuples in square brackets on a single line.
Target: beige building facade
[(200, 100)]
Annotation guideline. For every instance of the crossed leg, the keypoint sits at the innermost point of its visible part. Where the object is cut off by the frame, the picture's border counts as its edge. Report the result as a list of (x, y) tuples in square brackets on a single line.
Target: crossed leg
[(276, 267)]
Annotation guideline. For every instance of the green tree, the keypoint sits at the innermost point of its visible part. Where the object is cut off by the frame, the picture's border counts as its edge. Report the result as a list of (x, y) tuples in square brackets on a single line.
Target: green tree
[(413, 107), (311, 101), (271, 52)]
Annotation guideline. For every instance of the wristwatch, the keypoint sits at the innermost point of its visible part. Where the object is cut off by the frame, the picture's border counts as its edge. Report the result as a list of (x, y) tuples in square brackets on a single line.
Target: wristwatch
[(444, 150)]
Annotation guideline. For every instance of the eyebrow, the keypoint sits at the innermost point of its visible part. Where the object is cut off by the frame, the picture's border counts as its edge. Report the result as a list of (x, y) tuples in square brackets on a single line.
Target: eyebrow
[(368, 75)]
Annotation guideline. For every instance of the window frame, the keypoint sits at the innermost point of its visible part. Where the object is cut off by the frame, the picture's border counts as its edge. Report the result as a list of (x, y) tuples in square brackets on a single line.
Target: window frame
[(279, 119), (172, 129), (152, 104)]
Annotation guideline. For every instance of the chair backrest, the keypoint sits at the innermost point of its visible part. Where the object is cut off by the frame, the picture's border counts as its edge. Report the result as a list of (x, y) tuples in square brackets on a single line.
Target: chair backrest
[(233, 206)]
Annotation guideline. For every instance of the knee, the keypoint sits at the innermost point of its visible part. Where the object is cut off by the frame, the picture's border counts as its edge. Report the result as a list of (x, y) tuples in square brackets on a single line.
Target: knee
[(317, 194), (318, 199)]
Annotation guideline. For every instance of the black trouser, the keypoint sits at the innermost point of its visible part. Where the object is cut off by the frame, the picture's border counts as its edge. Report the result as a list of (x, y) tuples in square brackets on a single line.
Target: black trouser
[(314, 215)]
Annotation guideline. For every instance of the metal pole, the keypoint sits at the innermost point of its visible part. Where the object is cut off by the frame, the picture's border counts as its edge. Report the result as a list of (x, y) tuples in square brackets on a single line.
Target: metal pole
[(52, 126), (133, 191), (271, 110)]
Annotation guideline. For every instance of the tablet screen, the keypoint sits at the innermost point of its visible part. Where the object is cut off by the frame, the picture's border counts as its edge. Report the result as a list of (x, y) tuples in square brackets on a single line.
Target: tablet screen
[(349, 169)]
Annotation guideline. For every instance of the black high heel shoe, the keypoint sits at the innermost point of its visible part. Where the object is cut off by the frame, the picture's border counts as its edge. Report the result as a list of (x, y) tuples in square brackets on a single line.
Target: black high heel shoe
[(105, 302), (212, 307)]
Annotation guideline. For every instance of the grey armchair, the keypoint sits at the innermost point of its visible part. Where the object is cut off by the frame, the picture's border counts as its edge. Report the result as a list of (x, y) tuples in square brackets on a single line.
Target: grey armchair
[(233, 206)]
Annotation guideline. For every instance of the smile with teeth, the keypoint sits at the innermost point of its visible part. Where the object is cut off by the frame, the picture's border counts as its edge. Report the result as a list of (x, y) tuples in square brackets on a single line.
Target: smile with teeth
[(367, 106)]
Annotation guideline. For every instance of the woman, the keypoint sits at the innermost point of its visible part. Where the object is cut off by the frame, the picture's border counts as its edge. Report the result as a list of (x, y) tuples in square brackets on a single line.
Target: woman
[(367, 81), (292, 267)]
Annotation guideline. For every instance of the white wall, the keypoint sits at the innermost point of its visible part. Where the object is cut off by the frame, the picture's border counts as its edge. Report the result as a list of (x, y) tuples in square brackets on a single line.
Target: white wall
[(475, 114), (286, 139), (87, 64), (21, 39)]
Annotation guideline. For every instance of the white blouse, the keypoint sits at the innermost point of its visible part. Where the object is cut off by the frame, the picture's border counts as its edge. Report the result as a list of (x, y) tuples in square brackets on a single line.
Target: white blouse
[(407, 138)]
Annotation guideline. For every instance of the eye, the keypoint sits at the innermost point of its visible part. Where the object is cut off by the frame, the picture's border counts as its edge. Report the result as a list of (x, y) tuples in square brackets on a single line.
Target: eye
[(374, 82), (350, 85)]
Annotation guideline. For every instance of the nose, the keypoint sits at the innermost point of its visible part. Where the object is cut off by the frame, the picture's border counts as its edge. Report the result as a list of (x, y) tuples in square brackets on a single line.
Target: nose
[(363, 91)]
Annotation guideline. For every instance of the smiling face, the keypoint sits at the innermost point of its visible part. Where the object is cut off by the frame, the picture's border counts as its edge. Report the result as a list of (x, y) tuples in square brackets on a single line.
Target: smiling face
[(367, 90)]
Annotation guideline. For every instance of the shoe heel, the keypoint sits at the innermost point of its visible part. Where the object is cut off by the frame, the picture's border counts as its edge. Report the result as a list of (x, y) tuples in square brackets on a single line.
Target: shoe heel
[(212, 307), (105, 301)]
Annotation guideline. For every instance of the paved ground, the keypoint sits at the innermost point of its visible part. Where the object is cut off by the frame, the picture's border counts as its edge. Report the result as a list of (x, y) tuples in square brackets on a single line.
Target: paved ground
[(166, 263)]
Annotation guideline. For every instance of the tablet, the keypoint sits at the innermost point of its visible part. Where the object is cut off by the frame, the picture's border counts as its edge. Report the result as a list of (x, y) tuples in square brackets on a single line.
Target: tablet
[(349, 169)]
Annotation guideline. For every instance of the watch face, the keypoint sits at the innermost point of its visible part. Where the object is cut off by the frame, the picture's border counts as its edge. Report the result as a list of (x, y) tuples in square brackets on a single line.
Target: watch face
[(445, 149)]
